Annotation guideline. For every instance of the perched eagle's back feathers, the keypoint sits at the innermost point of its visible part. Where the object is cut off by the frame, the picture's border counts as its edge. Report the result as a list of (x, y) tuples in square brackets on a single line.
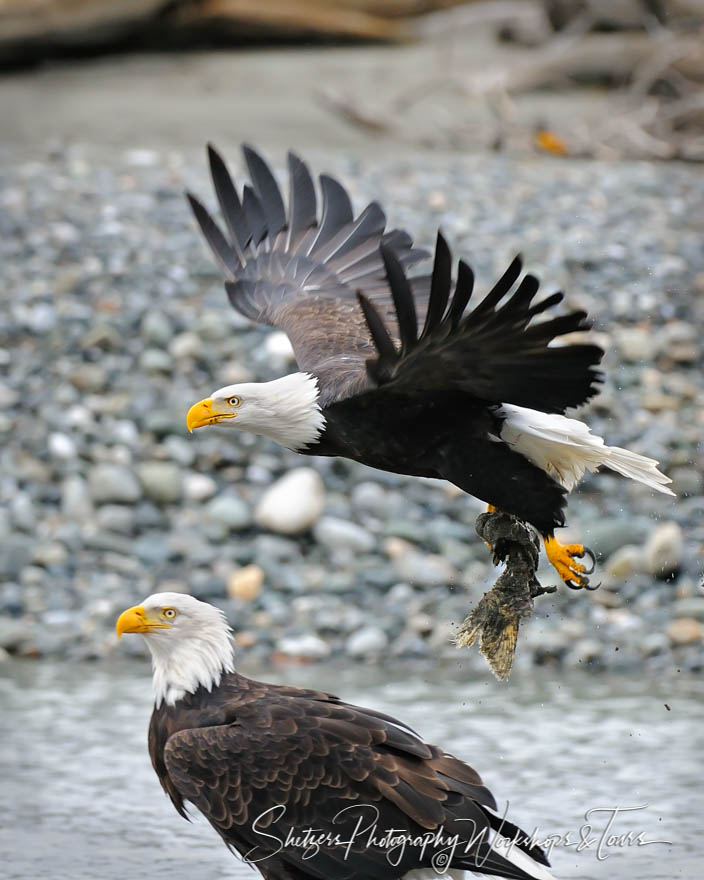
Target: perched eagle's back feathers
[(284, 759), (265, 762)]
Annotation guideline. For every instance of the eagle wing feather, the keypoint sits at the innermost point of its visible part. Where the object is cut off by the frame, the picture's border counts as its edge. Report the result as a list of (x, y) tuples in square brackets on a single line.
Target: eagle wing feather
[(495, 352), (309, 756), (300, 273)]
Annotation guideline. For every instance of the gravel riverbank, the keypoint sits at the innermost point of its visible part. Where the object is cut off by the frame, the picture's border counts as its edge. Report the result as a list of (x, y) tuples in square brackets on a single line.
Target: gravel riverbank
[(115, 320)]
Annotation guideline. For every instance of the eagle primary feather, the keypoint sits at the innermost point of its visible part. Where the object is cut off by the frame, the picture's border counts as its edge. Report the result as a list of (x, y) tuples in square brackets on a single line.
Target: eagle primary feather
[(490, 353), (265, 762)]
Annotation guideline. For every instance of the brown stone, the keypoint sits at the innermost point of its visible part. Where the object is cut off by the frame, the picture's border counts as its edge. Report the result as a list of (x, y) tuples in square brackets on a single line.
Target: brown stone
[(245, 583), (685, 631), (246, 639)]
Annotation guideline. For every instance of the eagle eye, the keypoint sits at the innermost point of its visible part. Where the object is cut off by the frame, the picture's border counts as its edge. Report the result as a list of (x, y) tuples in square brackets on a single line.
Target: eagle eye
[(233, 401), (169, 613)]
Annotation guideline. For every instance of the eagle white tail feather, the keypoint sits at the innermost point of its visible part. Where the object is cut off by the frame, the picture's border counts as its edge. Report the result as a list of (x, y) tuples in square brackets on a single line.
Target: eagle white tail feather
[(502, 846), (566, 448), (506, 847)]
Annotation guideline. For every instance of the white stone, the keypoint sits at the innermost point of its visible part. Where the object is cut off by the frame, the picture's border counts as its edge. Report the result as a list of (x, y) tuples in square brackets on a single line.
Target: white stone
[(113, 482), (24, 513), (117, 518), (370, 497), (230, 512), (199, 487), (124, 431), (185, 345), (233, 373), (161, 481), (52, 553), (75, 498), (8, 396), (79, 417), (663, 551), (341, 534), (423, 569), (634, 344), (293, 503), (624, 562), (366, 641), (156, 328), (278, 347), (142, 158), (61, 446), (308, 645), (179, 450)]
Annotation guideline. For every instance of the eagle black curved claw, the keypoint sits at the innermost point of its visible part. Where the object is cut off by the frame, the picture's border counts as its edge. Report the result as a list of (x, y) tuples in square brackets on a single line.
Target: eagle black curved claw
[(583, 581), (582, 584), (592, 559), (573, 574)]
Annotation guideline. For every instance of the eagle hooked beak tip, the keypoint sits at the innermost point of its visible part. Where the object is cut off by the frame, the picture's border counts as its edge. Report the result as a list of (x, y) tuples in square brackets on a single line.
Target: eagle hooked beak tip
[(131, 620), (137, 620), (201, 414)]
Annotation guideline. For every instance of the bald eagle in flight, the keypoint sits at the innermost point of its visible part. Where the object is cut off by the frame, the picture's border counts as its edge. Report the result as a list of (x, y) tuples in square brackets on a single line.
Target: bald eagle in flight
[(268, 764), (476, 397)]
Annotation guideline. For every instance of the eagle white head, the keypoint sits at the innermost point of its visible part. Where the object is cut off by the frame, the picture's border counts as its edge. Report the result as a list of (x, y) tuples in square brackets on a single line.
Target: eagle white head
[(190, 642), (286, 410)]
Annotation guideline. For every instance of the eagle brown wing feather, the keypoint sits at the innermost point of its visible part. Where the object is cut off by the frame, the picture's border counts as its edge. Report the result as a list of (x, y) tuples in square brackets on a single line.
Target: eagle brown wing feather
[(294, 271), (311, 756)]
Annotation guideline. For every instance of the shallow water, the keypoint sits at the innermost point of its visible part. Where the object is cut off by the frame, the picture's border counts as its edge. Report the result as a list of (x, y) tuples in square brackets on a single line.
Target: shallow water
[(81, 802)]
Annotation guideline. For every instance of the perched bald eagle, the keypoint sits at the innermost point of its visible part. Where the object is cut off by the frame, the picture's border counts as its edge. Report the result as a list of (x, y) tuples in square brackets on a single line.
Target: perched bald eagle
[(474, 397), (303, 785)]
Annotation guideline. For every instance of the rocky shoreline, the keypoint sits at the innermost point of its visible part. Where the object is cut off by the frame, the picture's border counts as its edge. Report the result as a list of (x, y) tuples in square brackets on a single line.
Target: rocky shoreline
[(115, 321)]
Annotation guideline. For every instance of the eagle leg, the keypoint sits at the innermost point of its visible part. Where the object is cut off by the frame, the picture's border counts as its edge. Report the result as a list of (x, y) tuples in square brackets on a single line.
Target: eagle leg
[(562, 557), (491, 509)]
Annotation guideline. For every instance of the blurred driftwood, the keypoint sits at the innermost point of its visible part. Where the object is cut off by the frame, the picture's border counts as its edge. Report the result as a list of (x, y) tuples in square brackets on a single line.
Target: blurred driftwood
[(621, 14), (80, 20), (355, 19), (34, 28), (655, 74)]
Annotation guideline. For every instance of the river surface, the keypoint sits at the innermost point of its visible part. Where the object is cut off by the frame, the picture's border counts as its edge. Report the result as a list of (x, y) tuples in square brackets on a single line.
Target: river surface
[(81, 802)]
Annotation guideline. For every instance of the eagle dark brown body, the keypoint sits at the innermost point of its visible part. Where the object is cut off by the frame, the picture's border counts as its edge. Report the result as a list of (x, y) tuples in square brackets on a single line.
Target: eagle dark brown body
[(263, 762)]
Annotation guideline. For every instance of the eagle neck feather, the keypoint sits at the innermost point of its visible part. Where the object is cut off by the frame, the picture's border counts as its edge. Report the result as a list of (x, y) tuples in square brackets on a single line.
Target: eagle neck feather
[(197, 662), (290, 411)]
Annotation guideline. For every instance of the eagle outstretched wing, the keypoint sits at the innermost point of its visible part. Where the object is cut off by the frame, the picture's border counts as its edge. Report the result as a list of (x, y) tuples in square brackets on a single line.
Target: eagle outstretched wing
[(285, 761), (300, 272), (496, 352)]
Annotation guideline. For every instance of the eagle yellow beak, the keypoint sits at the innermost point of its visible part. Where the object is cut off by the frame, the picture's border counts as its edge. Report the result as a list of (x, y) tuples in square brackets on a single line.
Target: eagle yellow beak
[(207, 412), (135, 620), (201, 414)]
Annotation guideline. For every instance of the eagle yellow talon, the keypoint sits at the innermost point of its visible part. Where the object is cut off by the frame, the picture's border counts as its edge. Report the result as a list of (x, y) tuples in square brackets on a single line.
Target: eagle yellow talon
[(490, 509), (562, 557)]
